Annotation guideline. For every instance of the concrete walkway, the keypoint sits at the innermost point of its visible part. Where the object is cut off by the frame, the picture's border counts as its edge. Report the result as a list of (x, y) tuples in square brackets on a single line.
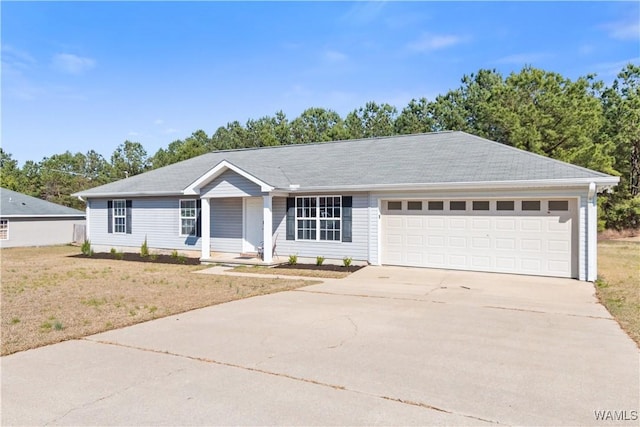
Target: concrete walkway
[(228, 271), (385, 346)]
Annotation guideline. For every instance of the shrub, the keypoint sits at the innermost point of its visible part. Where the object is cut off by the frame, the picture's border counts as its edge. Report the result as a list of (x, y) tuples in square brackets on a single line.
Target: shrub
[(174, 254), (293, 259), (86, 248), (113, 251), (144, 249), (346, 261), (319, 260)]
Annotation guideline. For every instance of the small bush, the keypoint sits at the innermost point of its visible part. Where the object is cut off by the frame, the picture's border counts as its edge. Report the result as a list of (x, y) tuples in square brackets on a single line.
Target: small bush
[(113, 251), (174, 254), (346, 261), (86, 248), (119, 255), (319, 260), (293, 259), (144, 249), (58, 326)]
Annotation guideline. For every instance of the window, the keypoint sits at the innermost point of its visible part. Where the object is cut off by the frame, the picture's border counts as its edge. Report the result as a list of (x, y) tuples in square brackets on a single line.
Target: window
[(4, 229), (394, 206), (188, 217), (414, 206), (558, 205), (480, 205), (436, 206), (459, 205), (318, 218), (505, 205), (119, 216), (531, 205)]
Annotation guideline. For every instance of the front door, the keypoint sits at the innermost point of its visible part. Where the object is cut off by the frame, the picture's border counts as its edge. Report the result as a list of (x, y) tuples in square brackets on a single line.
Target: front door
[(252, 224)]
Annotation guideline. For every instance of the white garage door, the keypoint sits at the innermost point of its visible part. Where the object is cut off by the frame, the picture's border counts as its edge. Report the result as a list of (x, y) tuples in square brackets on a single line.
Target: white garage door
[(532, 236)]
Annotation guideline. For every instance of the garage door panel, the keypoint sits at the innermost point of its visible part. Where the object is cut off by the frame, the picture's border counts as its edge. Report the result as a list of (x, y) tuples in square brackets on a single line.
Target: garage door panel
[(559, 246), (457, 242), (505, 224), (436, 241), (528, 242), (482, 262), (437, 223), (531, 245), (480, 242), (457, 223), (483, 224), (457, 261), (531, 225), (505, 243)]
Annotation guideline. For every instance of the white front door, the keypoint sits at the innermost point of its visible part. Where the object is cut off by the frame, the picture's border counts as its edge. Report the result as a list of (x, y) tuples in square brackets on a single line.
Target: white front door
[(252, 224)]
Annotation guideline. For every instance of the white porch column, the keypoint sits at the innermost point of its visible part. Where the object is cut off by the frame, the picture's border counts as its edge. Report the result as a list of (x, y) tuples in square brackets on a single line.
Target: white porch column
[(267, 229), (205, 229)]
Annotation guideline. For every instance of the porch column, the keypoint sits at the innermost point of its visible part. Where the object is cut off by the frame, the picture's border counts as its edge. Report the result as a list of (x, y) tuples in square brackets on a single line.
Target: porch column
[(267, 229), (205, 225)]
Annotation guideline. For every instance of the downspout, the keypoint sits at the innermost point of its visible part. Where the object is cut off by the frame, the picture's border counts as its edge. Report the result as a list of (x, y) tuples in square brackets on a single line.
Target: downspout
[(592, 233)]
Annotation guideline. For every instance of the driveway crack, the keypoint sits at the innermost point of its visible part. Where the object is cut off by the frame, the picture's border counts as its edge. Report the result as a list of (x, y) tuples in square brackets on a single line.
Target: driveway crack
[(275, 374)]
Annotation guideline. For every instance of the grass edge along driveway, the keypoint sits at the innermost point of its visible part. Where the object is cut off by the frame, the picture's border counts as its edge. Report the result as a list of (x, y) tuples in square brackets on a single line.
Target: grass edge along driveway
[(49, 296)]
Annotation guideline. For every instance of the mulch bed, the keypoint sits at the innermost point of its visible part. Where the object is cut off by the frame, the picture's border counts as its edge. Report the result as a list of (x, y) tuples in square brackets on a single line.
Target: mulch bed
[(325, 267), (154, 259)]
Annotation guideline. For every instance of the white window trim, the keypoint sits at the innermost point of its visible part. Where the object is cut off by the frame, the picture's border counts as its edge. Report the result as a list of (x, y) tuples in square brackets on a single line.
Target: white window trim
[(318, 219), (180, 217), (5, 221), (124, 203)]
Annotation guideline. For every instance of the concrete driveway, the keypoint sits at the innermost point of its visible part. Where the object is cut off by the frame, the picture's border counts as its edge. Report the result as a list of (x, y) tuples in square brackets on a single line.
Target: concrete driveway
[(386, 346)]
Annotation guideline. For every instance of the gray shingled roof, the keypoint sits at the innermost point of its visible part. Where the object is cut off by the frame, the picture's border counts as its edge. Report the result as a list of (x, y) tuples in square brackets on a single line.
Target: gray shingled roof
[(433, 158), (14, 204)]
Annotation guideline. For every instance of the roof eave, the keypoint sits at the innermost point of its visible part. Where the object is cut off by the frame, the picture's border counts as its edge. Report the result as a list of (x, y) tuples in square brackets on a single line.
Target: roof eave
[(120, 195), (602, 183), (80, 214)]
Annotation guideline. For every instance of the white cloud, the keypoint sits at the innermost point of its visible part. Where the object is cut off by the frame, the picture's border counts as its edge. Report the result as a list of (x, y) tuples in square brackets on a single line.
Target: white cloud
[(335, 56), (158, 122), (72, 64), (623, 30), (16, 58), (430, 42), (611, 69), (523, 58)]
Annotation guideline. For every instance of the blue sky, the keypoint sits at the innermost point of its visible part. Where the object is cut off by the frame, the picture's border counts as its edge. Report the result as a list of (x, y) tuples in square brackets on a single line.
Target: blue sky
[(89, 75)]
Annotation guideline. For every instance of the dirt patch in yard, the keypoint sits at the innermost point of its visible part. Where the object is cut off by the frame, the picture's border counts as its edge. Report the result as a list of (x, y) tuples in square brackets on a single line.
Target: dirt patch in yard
[(49, 295)]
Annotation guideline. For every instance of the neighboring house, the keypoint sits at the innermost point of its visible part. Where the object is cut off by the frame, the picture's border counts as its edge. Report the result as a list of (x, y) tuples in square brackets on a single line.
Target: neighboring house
[(444, 200), (28, 221)]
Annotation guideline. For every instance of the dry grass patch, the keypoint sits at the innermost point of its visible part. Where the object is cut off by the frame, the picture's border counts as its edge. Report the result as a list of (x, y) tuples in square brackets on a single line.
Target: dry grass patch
[(326, 274), (49, 296), (618, 285)]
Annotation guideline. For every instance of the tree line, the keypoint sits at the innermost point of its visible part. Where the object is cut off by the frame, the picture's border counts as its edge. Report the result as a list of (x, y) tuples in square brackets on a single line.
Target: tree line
[(584, 122)]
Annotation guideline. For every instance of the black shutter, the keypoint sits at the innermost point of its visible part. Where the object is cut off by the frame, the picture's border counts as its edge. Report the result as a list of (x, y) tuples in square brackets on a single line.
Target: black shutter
[(110, 216), (347, 202), (128, 219), (291, 218), (199, 218)]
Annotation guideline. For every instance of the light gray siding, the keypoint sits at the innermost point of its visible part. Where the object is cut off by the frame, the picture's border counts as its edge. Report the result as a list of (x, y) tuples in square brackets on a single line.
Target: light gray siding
[(40, 231), (156, 218), (357, 249), (230, 184), (226, 225)]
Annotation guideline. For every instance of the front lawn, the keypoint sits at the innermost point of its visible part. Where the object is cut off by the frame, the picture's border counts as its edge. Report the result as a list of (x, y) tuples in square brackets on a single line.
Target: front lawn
[(50, 295), (618, 285)]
